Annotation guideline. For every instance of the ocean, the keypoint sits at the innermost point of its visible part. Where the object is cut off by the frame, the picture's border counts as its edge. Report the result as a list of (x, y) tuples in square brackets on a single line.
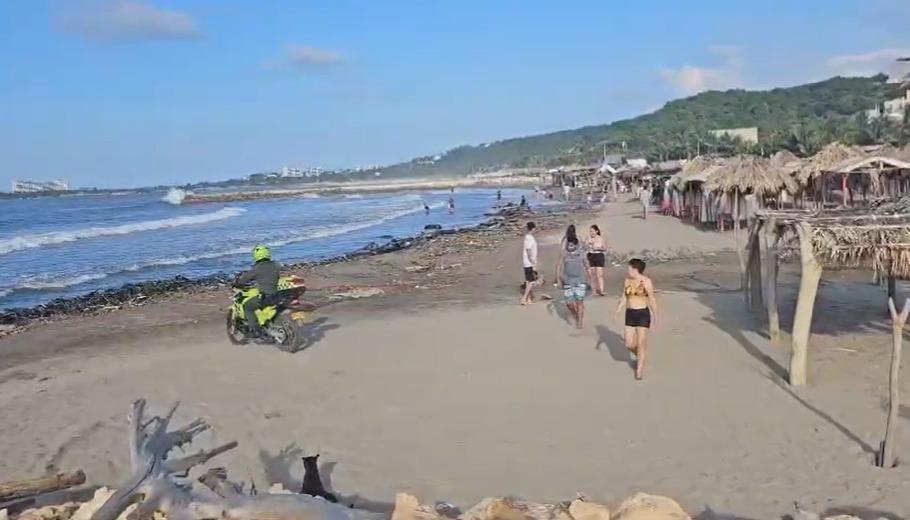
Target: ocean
[(67, 246)]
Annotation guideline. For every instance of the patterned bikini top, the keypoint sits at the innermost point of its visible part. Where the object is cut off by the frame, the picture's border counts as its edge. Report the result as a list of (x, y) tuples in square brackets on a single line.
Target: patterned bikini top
[(633, 288)]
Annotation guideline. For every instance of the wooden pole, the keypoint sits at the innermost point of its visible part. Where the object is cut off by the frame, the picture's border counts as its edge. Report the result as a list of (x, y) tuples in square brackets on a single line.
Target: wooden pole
[(886, 455), (771, 238), (745, 258), (755, 269), (805, 305), (736, 240)]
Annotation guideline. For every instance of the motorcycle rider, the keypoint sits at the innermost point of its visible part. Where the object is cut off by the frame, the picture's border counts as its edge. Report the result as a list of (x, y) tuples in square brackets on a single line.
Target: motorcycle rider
[(265, 273)]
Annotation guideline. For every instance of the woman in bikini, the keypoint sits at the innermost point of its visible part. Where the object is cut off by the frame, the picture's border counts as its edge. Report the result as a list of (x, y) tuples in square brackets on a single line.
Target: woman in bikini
[(641, 311), (596, 259)]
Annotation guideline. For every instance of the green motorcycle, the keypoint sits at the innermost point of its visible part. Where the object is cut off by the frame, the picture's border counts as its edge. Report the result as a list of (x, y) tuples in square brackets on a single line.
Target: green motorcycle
[(282, 321)]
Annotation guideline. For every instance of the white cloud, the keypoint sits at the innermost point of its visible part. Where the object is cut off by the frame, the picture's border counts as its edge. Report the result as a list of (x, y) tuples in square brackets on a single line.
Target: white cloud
[(306, 57), (691, 79), (868, 63), (127, 20)]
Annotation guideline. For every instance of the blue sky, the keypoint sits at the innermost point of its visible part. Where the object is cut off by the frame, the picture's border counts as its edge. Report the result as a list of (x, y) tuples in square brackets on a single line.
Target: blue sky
[(140, 92)]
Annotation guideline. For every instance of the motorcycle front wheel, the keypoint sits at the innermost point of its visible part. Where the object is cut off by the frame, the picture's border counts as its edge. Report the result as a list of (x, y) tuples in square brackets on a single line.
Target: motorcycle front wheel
[(236, 331)]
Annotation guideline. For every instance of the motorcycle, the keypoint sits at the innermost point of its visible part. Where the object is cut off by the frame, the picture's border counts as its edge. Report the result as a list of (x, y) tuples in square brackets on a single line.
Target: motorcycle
[(282, 320)]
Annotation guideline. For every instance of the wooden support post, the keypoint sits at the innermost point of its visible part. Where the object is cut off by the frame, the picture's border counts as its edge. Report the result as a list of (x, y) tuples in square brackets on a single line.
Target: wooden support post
[(745, 258), (805, 304), (736, 241), (755, 270), (771, 238), (892, 288), (886, 458)]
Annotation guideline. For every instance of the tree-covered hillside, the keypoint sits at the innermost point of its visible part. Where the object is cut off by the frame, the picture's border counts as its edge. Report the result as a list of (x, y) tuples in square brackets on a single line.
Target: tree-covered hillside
[(801, 118)]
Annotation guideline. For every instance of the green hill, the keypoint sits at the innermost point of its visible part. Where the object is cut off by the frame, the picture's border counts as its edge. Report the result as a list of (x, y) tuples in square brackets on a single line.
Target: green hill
[(801, 118)]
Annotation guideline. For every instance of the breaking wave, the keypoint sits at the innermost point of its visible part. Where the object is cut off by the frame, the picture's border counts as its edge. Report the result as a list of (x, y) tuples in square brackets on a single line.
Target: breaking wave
[(61, 237), (42, 282)]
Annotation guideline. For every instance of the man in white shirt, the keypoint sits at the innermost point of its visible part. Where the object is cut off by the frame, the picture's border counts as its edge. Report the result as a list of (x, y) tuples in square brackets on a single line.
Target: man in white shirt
[(529, 262)]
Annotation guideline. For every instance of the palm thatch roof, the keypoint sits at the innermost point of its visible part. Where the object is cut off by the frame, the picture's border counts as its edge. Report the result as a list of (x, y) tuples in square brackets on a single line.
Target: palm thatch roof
[(698, 169), (786, 160), (901, 154), (876, 238), (746, 173), (828, 158)]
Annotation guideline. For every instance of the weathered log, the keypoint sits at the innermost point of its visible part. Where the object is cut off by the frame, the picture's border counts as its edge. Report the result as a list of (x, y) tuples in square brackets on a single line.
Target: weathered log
[(21, 489), (805, 305), (887, 458), (160, 485)]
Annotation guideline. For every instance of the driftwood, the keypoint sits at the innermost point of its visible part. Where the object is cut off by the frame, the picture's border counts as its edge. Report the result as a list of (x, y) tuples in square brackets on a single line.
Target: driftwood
[(886, 455), (18, 490), (162, 485)]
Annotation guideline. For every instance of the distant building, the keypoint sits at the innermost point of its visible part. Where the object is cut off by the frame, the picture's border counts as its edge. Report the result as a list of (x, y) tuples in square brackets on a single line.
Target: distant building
[(746, 135), (637, 163), (287, 171), (25, 186), (891, 109)]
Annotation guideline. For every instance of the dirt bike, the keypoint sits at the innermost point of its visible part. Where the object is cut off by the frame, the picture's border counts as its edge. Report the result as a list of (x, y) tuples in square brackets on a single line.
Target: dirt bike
[(282, 321)]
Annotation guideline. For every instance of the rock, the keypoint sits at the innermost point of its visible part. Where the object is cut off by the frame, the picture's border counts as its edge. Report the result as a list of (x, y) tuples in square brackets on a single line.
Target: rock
[(511, 509), (417, 268), (432, 227), (843, 517), (650, 507), (52, 512), (407, 507), (583, 510)]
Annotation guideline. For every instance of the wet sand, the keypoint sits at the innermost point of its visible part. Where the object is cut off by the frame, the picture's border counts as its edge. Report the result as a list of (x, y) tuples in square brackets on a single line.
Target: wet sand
[(455, 392)]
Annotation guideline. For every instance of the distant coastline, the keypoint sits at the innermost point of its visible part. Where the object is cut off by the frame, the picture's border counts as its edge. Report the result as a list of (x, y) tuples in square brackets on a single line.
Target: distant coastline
[(244, 190)]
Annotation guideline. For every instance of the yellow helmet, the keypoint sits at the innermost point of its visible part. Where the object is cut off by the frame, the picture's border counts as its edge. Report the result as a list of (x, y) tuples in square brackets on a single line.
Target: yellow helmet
[(261, 252)]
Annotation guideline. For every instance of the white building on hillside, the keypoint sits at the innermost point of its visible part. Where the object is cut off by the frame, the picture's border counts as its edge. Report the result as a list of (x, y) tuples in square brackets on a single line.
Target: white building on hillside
[(25, 186), (892, 109)]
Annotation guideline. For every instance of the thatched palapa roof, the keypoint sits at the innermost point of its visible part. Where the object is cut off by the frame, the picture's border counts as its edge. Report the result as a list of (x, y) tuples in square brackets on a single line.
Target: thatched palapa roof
[(745, 173), (826, 160), (698, 169)]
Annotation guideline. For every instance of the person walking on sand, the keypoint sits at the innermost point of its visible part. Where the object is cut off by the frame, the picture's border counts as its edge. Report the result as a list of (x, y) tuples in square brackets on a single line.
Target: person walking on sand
[(644, 195), (573, 273), (641, 311), (529, 262), (597, 259)]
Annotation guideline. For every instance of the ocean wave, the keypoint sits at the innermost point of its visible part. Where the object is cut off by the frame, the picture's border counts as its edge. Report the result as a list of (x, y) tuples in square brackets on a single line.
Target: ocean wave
[(61, 237), (60, 283), (45, 282), (174, 196)]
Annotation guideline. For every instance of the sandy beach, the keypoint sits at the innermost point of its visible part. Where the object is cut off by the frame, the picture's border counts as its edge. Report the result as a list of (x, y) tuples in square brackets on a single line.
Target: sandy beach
[(453, 391)]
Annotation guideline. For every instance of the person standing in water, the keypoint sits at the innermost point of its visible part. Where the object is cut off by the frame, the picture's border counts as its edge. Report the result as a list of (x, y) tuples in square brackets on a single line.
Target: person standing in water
[(571, 272), (426, 208), (498, 194), (451, 205), (597, 248), (641, 311)]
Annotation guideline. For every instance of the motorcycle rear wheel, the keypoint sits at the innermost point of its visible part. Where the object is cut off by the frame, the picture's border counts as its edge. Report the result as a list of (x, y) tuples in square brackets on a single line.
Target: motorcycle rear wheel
[(235, 330), (288, 333)]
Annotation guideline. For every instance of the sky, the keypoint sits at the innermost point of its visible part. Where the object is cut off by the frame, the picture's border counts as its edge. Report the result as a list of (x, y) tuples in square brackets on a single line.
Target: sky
[(123, 93)]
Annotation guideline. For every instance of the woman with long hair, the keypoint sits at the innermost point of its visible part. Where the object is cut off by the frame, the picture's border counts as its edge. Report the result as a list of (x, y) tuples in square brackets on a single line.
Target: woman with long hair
[(641, 311), (596, 259)]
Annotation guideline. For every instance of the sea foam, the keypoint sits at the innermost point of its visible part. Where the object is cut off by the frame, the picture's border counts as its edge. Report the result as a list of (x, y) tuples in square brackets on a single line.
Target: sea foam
[(19, 243)]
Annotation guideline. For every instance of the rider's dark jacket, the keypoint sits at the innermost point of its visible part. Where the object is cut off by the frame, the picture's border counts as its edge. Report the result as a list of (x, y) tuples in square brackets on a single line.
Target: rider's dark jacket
[(265, 273)]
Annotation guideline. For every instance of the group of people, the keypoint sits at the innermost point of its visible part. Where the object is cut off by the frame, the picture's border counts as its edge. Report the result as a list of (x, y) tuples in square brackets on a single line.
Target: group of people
[(581, 266)]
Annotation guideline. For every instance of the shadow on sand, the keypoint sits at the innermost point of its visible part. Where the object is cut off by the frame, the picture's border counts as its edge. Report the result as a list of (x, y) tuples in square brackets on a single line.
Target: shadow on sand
[(615, 345), (729, 315), (315, 331), (278, 469)]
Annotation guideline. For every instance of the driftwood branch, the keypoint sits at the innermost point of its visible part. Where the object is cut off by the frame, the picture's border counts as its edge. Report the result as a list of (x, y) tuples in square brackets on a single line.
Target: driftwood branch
[(21, 489), (161, 485)]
